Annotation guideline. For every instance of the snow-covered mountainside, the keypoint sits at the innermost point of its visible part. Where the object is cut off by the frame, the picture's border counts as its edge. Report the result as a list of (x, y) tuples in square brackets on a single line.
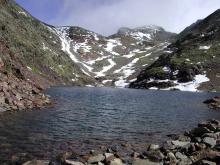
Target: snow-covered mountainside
[(194, 61), (115, 60)]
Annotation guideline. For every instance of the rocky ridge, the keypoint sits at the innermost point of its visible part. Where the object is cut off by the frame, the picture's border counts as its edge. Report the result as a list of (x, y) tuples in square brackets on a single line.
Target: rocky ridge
[(193, 61)]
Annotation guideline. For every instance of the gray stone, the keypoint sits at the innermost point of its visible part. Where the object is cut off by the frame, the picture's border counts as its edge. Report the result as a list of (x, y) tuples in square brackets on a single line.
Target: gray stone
[(178, 143), (70, 162), (116, 161), (145, 162), (198, 132), (185, 162), (36, 162), (171, 156), (211, 142), (100, 163), (96, 159), (198, 139), (156, 156), (135, 155), (211, 135), (109, 156), (180, 156), (206, 162), (153, 147)]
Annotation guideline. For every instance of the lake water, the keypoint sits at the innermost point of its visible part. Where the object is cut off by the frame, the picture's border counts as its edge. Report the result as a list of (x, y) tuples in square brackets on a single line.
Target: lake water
[(87, 118)]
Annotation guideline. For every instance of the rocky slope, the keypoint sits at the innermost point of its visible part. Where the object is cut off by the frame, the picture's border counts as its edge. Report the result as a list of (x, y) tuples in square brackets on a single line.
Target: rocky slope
[(194, 61)]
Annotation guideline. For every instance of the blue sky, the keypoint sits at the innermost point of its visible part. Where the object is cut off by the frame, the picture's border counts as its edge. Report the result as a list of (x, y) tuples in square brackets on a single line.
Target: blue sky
[(45, 10), (107, 16)]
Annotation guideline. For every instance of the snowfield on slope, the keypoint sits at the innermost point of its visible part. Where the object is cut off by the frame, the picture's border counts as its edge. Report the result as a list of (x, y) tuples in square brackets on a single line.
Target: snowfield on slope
[(191, 86), (109, 59)]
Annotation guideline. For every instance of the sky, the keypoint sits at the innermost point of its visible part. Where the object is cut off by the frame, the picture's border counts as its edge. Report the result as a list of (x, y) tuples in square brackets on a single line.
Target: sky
[(107, 16)]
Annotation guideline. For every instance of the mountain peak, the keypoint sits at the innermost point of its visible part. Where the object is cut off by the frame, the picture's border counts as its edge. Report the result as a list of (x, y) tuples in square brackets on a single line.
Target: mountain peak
[(146, 28), (150, 27)]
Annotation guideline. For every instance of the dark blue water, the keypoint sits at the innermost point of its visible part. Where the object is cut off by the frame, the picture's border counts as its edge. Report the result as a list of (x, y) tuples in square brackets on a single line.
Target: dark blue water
[(86, 118)]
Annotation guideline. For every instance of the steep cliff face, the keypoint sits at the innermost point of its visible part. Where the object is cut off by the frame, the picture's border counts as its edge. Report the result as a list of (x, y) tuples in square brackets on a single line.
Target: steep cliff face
[(193, 62)]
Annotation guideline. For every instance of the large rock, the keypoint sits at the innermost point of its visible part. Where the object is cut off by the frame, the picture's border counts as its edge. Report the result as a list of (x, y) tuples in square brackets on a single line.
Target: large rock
[(199, 131), (36, 162), (153, 147), (180, 156), (109, 156), (116, 161), (96, 159), (178, 143), (155, 156), (206, 162), (211, 142), (70, 162)]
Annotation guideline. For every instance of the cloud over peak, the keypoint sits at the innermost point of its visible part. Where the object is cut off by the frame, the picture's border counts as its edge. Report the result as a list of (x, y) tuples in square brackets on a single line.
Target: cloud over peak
[(107, 16)]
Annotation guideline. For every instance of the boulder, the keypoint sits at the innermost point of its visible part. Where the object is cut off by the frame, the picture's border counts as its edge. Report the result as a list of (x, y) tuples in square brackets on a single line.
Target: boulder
[(199, 131), (180, 144), (206, 162), (211, 142), (155, 156), (116, 161), (171, 158), (96, 159), (189, 148), (36, 162), (153, 147), (135, 155), (70, 162), (109, 156)]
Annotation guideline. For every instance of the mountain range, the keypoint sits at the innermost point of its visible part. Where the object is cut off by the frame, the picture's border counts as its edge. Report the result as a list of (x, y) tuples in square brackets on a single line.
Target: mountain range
[(40, 55)]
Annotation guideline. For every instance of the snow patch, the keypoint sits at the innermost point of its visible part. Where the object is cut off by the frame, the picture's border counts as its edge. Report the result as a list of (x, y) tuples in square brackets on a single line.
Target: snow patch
[(127, 71), (166, 69), (106, 81), (111, 43), (23, 13), (29, 68), (191, 86), (66, 46), (204, 47), (105, 68)]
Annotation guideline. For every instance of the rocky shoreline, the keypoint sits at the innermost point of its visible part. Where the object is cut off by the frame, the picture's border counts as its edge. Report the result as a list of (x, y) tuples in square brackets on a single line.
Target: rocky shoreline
[(200, 146), (20, 89), (213, 103)]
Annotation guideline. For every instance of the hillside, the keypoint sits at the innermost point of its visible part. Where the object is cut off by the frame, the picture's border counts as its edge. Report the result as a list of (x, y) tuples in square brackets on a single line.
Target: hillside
[(37, 47), (35, 55), (117, 59), (194, 63)]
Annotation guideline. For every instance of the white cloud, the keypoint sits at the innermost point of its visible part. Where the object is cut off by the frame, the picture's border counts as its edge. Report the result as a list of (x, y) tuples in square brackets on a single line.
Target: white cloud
[(106, 16)]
